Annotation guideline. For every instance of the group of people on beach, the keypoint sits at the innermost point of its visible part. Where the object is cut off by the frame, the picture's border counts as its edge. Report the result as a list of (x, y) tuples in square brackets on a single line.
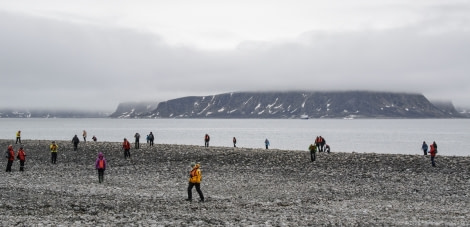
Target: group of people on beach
[(207, 139), (10, 156), (318, 145), (195, 174), (432, 151)]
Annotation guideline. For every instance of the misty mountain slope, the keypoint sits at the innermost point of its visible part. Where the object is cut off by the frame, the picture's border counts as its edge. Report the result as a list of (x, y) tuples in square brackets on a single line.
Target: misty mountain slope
[(296, 104)]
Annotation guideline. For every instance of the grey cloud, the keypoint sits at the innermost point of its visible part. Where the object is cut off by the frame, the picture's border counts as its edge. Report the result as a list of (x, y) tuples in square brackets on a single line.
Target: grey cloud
[(55, 64)]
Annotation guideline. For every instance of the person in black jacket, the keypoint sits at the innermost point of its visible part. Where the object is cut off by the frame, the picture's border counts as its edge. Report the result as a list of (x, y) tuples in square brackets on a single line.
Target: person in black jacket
[(75, 142)]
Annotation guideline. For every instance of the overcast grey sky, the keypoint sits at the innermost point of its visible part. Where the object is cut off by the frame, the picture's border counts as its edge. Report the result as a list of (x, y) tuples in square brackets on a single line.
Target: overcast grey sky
[(96, 54)]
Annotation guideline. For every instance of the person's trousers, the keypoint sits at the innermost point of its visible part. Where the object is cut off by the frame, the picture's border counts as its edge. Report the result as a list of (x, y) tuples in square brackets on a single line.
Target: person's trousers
[(432, 161), (198, 189), (127, 153), (101, 175), (137, 144), (18, 140), (21, 165), (53, 157), (9, 164)]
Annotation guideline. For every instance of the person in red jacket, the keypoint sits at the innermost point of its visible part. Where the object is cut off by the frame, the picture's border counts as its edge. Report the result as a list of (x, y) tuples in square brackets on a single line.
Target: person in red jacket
[(10, 156), (22, 157), (126, 146), (433, 151)]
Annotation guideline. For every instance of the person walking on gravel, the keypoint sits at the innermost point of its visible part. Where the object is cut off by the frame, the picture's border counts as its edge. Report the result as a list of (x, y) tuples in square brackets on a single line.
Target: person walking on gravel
[(100, 165), (10, 155), (75, 142), (433, 152), (195, 177), (84, 136), (22, 157), (53, 148), (207, 138), (313, 152), (151, 138), (266, 143), (424, 147), (127, 147), (18, 137), (234, 142), (137, 140)]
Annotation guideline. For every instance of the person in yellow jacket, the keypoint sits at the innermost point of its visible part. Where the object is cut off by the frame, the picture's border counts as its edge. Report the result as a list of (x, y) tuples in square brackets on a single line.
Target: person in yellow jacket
[(18, 137), (53, 148), (195, 180)]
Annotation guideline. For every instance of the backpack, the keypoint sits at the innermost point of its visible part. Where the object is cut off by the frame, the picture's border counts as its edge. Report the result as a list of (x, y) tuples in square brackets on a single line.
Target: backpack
[(101, 164), (7, 154)]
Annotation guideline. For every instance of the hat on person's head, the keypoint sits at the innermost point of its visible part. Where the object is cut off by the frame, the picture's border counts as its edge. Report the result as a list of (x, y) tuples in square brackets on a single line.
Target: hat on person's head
[(193, 164), (53, 141), (21, 147)]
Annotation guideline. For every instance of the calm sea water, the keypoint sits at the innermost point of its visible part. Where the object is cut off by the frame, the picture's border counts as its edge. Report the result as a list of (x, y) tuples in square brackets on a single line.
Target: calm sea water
[(359, 135)]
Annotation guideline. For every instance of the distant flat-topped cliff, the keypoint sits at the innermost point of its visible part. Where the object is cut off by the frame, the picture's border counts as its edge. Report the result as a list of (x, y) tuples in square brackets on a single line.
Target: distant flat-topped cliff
[(296, 104)]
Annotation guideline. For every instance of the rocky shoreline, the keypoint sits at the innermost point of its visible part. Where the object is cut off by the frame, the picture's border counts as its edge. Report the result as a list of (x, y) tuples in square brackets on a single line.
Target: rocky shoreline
[(243, 187)]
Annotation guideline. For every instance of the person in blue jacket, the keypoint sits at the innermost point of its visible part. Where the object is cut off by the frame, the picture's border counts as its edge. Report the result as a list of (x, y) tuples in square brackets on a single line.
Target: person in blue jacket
[(424, 147)]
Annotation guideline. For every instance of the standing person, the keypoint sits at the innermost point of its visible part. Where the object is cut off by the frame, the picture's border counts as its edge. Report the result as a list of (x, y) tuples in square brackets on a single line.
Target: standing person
[(126, 146), (317, 143), (234, 142), (94, 138), (18, 137), (84, 136), (137, 138), (100, 165), (313, 152), (22, 157), (322, 143), (10, 155), (53, 148), (266, 143), (433, 151), (75, 142), (207, 138), (195, 177), (151, 138), (424, 147)]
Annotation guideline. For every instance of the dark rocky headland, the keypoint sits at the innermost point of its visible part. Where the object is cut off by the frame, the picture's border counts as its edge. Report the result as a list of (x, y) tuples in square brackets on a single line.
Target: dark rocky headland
[(243, 187)]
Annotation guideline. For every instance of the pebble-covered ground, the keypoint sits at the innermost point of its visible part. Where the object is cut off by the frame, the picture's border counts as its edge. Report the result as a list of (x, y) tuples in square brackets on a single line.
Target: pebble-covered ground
[(243, 187)]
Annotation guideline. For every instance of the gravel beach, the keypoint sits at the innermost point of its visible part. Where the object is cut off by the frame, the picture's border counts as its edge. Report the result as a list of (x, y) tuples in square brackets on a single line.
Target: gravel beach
[(243, 187)]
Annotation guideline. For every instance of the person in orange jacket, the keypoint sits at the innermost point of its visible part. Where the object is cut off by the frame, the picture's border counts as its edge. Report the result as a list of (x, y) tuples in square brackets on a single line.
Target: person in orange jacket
[(10, 155), (22, 157), (126, 146), (195, 177)]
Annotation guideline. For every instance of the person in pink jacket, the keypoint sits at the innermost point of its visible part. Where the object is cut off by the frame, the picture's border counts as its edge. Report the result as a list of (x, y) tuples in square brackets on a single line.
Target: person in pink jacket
[(100, 165)]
